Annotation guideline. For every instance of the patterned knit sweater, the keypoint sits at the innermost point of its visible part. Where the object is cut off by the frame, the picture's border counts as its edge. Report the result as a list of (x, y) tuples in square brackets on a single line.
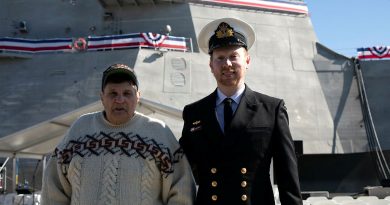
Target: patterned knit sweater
[(137, 163)]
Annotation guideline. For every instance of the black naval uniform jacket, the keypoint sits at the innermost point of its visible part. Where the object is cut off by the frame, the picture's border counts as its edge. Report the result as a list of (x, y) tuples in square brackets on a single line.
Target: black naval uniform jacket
[(233, 168)]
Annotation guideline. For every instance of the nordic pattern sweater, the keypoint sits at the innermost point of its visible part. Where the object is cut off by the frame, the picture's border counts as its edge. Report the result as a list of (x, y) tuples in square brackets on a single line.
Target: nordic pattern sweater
[(137, 163)]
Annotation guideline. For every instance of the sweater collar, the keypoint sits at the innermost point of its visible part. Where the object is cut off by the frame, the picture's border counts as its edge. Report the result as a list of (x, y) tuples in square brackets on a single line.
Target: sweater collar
[(106, 122)]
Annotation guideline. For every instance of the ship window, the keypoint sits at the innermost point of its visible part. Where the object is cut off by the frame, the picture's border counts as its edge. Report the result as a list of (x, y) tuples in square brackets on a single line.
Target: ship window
[(23, 26)]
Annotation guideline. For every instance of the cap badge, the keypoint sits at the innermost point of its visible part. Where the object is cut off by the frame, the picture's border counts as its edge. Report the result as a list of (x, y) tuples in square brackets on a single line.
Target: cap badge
[(196, 122), (224, 31)]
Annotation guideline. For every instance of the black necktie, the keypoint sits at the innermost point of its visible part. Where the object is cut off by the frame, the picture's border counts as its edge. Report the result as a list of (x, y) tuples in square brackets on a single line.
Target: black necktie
[(227, 112)]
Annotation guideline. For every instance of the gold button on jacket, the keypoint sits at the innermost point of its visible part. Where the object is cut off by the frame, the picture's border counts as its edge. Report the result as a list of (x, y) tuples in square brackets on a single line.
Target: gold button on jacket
[(243, 170), (213, 170)]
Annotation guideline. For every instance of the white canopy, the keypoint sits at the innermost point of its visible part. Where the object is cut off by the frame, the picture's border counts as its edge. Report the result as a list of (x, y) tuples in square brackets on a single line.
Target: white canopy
[(39, 140)]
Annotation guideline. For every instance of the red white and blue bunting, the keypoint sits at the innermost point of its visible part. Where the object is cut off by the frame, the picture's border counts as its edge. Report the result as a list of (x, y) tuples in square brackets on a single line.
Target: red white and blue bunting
[(35, 46), (136, 40), (374, 53), (278, 5), (96, 43)]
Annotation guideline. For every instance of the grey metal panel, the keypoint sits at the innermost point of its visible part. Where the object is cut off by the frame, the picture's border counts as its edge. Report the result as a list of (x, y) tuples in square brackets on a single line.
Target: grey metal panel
[(155, 71), (113, 2), (86, 18), (344, 174), (336, 75), (48, 85), (51, 19), (376, 77), (177, 75)]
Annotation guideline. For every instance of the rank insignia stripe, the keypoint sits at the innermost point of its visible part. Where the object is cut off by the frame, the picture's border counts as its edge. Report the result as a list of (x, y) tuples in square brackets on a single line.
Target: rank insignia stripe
[(196, 122), (193, 129)]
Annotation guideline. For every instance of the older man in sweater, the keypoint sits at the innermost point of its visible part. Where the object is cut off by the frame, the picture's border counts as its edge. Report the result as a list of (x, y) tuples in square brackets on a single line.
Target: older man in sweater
[(118, 156)]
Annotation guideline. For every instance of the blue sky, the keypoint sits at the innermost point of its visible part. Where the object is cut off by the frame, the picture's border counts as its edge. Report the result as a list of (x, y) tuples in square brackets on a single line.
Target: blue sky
[(344, 25)]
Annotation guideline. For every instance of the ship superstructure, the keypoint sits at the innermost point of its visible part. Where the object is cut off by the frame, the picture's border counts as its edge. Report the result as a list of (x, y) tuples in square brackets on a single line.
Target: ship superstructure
[(52, 54)]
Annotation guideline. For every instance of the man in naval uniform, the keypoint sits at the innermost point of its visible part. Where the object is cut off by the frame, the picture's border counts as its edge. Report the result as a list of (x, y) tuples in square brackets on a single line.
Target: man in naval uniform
[(231, 136)]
